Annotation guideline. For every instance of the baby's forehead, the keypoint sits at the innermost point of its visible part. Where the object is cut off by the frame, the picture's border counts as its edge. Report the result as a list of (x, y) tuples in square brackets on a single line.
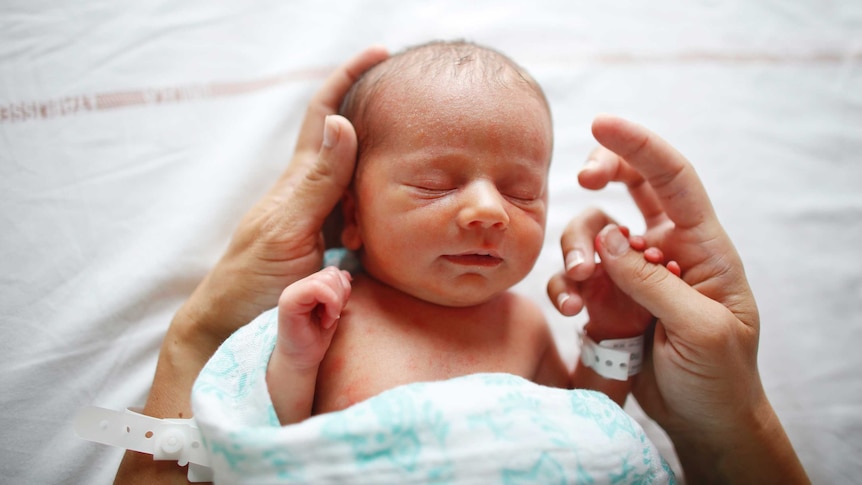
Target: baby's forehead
[(450, 74)]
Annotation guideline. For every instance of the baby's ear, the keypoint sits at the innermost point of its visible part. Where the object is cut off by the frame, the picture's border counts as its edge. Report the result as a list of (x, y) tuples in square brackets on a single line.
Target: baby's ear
[(351, 236), (332, 227)]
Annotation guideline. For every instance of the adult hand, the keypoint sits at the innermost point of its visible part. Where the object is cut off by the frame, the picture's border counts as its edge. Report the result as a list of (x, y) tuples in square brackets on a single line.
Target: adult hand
[(701, 382), (702, 318), (277, 242)]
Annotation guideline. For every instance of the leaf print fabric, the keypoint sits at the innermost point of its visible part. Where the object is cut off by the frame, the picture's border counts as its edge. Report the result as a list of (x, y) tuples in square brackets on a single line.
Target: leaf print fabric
[(481, 428)]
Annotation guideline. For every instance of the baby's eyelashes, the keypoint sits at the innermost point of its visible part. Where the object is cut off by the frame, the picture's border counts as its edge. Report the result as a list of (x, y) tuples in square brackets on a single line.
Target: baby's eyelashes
[(430, 192)]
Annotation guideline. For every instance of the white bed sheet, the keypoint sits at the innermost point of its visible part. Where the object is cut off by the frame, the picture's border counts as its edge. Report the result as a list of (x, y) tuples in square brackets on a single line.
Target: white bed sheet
[(133, 135)]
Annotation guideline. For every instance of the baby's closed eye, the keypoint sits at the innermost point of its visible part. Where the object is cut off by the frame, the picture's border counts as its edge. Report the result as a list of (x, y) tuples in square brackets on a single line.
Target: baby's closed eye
[(523, 191)]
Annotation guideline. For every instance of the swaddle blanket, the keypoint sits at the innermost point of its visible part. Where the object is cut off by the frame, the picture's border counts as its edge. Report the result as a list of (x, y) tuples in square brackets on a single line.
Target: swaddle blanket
[(482, 428)]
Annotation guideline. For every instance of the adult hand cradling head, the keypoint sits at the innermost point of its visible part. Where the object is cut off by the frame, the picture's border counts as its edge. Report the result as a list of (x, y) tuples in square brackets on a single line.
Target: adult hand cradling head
[(277, 242)]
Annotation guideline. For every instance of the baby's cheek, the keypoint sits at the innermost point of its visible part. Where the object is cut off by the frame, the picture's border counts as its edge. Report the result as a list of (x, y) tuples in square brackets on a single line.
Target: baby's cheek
[(530, 240), (654, 255)]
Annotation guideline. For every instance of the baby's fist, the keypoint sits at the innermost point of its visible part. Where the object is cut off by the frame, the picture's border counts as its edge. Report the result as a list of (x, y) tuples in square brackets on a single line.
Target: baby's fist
[(308, 311)]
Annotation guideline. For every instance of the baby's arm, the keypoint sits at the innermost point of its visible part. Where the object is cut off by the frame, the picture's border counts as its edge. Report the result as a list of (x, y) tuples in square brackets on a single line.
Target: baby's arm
[(584, 377), (614, 315), (308, 312)]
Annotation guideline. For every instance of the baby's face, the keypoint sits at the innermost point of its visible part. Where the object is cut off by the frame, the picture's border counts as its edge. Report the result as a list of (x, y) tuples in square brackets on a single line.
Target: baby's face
[(451, 197)]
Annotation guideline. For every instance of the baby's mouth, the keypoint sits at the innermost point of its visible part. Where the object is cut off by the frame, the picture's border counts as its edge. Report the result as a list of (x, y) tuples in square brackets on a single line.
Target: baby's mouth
[(481, 258)]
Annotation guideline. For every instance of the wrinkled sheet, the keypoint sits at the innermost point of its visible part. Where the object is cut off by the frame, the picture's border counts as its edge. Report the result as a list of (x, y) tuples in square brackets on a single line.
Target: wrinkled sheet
[(133, 135)]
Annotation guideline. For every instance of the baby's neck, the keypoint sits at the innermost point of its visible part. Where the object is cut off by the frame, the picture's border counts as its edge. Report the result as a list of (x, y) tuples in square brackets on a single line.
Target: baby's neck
[(381, 298)]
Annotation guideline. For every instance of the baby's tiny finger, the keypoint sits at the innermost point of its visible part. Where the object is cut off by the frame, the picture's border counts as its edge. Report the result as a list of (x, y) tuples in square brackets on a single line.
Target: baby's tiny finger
[(638, 243), (674, 268), (654, 255), (329, 322)]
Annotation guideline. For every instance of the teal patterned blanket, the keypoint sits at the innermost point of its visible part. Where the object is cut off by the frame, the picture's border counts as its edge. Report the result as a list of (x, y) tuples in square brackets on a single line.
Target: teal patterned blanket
[(482, 428)]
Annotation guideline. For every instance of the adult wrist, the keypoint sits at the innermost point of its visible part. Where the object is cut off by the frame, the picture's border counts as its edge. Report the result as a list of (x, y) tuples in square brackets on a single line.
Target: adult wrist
[(187, 346), (749, 446), (216, 308), (195, 327)]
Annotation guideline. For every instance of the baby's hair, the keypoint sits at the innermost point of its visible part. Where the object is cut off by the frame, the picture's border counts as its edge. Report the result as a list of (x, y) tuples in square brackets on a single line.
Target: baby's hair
[(458, 60)]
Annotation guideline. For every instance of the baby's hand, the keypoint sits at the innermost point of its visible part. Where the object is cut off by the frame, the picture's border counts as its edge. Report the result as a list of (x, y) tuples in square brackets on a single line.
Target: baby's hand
[(308, 313), (652, 254), (613, 314)]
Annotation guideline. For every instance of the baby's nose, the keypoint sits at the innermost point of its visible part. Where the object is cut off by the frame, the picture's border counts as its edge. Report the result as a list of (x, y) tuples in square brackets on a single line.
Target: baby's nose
[(483, 206)]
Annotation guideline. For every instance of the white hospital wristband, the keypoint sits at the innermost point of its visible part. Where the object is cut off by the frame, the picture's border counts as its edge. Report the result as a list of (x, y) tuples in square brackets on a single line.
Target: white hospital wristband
[(613, 359), (166, 439)]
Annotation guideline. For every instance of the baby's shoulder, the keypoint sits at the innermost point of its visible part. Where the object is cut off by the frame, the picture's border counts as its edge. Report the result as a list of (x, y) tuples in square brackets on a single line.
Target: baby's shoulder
[(524, 311)]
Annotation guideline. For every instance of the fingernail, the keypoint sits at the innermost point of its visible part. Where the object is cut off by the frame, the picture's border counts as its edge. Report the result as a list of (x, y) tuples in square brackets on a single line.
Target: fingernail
[(561, 300), (330, 132), (568, 305), (590, 165), (574, 258), (614, 241)]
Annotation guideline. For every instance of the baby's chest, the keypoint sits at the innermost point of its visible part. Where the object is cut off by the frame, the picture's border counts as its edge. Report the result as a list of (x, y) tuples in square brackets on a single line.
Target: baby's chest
[(359, 366)]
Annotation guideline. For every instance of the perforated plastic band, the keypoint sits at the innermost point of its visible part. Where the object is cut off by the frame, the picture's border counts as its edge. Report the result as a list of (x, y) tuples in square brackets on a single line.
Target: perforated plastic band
[(166, 439), (613, 359)]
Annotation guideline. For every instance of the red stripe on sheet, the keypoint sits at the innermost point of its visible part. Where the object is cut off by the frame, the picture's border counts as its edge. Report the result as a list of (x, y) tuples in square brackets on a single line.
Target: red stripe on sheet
[(85, 103), (72, 105)]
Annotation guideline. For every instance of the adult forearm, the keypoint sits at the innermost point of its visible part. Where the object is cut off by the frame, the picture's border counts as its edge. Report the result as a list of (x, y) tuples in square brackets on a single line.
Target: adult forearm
[(182, 356), (756, 451)]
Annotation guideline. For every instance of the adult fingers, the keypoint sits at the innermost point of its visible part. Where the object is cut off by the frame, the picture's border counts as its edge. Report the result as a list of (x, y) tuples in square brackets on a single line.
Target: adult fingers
[(672, 178), (605, 166), (327, 100), (564, 293), (577, 243), (668, 298), (322, 184), (699, 244)]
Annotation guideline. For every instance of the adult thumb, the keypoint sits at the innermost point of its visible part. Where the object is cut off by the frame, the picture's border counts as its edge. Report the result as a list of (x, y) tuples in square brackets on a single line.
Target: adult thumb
[(327, 176), (654, 287)]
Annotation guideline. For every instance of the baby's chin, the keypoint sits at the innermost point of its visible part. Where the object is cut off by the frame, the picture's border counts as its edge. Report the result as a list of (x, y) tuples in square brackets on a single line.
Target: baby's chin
[(465, 299), (465, 296)]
